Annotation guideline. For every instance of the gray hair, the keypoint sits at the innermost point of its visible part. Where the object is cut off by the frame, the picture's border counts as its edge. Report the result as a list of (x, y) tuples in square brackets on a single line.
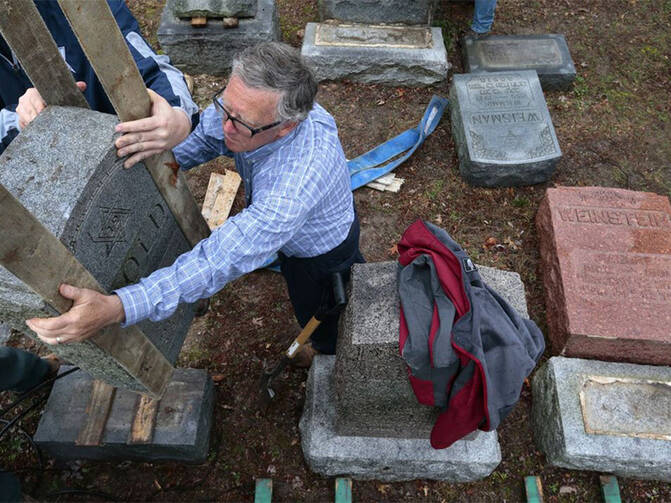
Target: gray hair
[(278, 67)]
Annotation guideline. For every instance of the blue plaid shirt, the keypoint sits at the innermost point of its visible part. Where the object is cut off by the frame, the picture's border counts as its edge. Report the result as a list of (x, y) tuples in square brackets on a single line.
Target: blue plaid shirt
[(298, 201)]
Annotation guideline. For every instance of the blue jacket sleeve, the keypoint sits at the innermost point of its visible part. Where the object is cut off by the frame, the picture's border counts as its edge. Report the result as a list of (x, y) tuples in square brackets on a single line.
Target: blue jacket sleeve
[(158, 74)]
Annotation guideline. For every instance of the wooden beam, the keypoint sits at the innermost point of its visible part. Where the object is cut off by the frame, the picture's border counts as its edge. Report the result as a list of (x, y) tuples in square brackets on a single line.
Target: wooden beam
[(263, 492), (199, 21), (534, 489), (219, 197), (142, 428), (38, 258), (24, 30), (106, 49), (343, 490), (97, 412)]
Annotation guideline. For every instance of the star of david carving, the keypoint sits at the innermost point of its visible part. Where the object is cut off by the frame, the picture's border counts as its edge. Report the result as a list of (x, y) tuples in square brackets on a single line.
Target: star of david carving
[(113, 227)]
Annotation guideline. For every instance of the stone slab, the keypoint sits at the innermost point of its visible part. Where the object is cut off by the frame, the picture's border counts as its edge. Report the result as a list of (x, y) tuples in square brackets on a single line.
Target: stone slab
[(210, 49), (606, 417), (503, 129), (548, 54), (5, 333), (181, 433), (373, 394), (330, 453), (378, 11), (212, 8), (606, 258), (394, 55), (63, 168)]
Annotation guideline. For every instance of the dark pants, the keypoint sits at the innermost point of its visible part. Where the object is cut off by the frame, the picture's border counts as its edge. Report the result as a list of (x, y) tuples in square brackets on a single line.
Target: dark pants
[(308, 282), (20, 370)]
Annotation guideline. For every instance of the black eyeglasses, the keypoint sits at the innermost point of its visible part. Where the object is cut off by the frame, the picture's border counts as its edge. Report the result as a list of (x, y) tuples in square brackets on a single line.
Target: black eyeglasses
[(239, 126)]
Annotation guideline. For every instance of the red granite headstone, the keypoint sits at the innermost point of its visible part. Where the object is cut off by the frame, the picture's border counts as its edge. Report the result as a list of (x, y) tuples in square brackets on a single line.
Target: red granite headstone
[(606, 256)]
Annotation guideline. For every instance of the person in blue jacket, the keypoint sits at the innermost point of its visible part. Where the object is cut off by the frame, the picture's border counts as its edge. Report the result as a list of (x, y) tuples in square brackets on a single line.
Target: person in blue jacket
[(174, 114)]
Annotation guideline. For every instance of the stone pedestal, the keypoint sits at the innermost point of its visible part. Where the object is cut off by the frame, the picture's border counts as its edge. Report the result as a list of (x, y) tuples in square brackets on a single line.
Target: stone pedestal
[(362, 418), (210, 49), (606, 258), (395, 55), (607, 417), (547, 54), (212, 8), (502, 129), (181, 432), (63, 168)]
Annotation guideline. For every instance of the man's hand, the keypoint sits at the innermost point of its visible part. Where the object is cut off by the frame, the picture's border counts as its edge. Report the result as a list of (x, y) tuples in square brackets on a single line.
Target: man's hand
[(31, 103), (143, 138), (90, 312)]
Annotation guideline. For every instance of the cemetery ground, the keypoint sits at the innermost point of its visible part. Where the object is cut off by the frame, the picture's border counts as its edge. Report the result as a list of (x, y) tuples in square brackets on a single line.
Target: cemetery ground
[(614, 128)]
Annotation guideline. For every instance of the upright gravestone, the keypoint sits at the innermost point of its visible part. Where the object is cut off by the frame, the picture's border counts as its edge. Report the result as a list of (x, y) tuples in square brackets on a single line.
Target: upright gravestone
[(606, 257), (547, 54), (361, 417), (63, 168), (210, 48), (378, 41), (502, 129), (606, 417)]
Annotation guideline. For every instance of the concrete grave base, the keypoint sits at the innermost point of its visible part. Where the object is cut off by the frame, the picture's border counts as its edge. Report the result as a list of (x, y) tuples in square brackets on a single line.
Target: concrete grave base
[(210, 49), (380, 458), (181, 433), (608, 417), (394, 55), (548, 54)]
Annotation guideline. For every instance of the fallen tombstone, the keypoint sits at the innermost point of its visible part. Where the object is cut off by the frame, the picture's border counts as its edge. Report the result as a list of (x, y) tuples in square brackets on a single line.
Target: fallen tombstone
[(548, 54), (603, 416), (502, 129), (606, 259), (361, 417)]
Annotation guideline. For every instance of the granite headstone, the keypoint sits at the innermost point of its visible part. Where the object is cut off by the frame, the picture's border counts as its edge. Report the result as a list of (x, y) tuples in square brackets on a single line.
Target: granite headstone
[(606, 417), (606, 258), (210, 49), (212, 8), (378, 11), (63, 168), (547, 54), (502, 128)]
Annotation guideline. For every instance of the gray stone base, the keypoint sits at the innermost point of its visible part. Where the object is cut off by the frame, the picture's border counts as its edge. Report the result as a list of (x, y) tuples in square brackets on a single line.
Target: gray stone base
[(408, 56), (548, 54), (210, 49), (182, 430), (608, 417), (388, 459)]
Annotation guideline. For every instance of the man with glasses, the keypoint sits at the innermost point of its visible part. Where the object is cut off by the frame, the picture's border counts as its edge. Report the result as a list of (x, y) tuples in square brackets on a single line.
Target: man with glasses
[(299, 204)]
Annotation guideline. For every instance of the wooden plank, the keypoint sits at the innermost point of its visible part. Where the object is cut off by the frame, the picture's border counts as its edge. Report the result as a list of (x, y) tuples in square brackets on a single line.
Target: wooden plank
[(38, 258), (610, 489), (142, 429), (343, 490), (24, 30), (534, 489), (199, 21), (97, 412), (264, 491), (106, 49), (219, 197)]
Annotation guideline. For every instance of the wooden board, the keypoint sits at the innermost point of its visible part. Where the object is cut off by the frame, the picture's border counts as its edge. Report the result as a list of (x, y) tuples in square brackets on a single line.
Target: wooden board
[(24, 30), (142, 429), (263, 492), (219, 197), (97, 412), (38, 258), (106, 49)]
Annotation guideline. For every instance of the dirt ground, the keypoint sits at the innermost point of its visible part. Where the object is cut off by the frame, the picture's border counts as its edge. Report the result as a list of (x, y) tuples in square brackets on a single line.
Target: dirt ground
[(614, 128)]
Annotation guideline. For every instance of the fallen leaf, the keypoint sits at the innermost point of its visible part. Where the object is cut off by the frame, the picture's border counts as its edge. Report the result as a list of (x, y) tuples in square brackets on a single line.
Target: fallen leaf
[(491, 241), (383, 488), (567, 490), (393, 251), (258, 321), (218, 377)]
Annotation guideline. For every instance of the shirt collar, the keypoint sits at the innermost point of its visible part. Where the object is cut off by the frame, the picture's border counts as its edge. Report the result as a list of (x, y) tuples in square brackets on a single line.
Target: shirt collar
[(268, 149)]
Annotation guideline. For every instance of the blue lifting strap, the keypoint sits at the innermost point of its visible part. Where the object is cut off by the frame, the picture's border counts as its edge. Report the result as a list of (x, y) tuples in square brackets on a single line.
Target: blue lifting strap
[(371, 165)]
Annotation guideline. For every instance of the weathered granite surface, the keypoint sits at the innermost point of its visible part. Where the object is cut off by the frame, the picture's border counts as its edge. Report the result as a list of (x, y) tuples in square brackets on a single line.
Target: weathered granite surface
[(548, 54), (395, 55), (210, 49), (378, 11), (63, 168), (373, 394), (502, 129), (5, 333), (212, 8), (608, 417), (181, 433), (606, 259), (331, 453)]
